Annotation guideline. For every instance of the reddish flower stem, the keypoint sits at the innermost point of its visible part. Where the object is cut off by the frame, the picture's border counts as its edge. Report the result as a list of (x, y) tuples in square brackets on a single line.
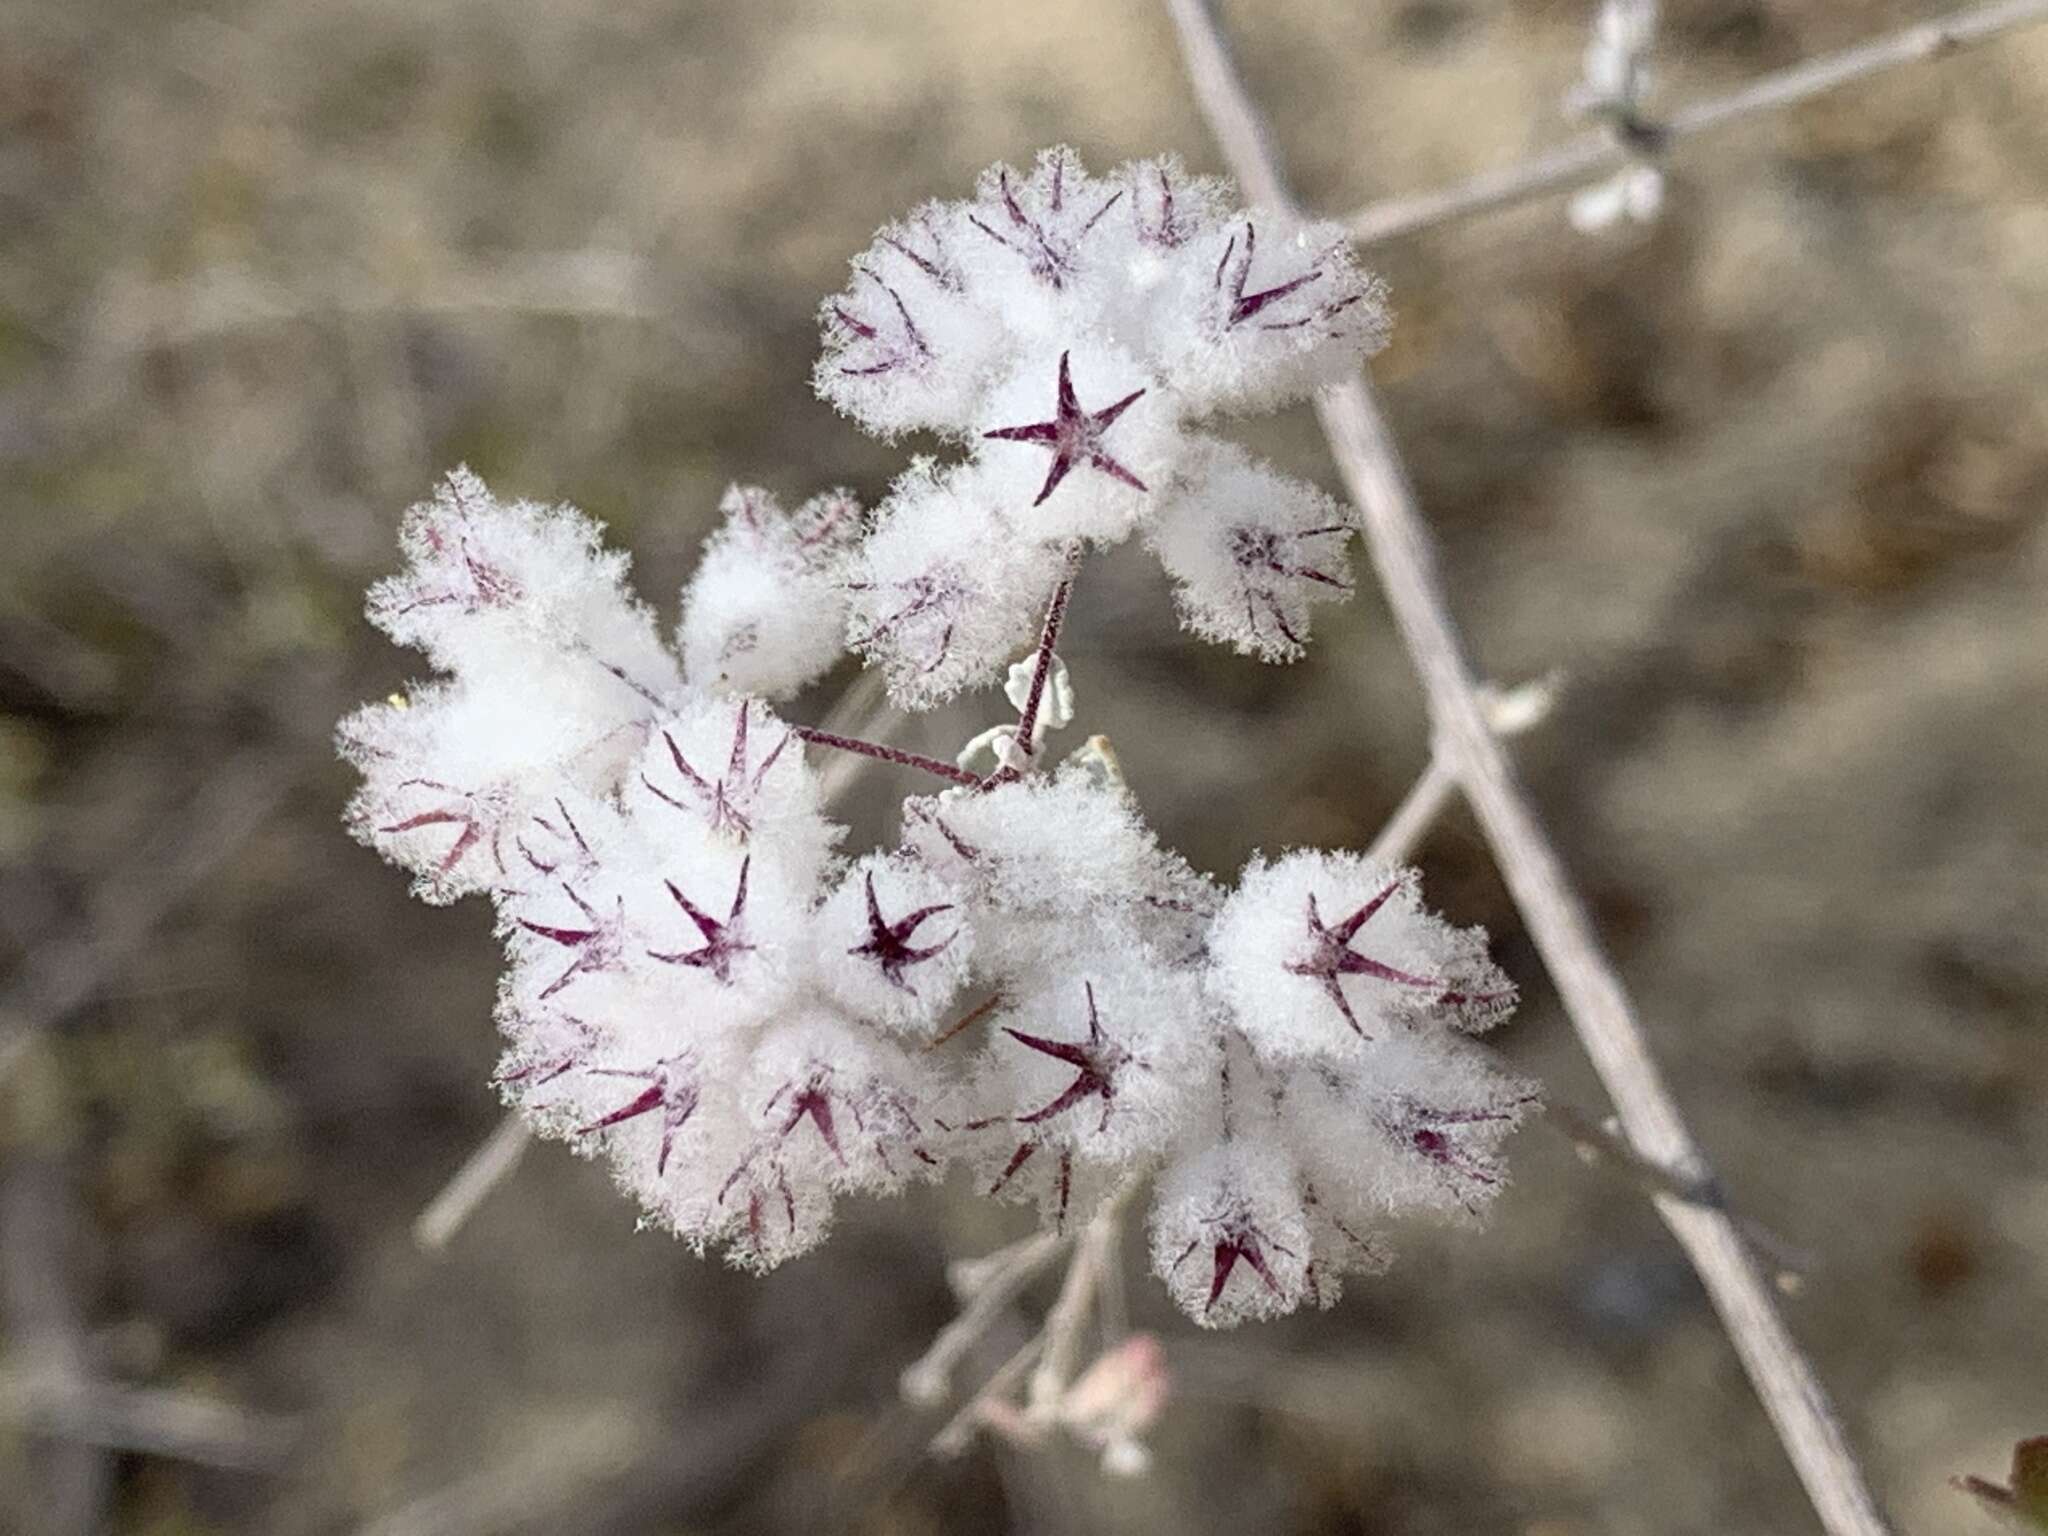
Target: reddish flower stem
[(968, 1020), (1048, 638), (884, 754)]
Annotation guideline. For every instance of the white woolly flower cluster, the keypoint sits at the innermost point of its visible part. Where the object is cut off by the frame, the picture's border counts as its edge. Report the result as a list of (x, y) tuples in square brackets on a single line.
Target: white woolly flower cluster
[(748, 1023), (1072, 334), (765, 613)]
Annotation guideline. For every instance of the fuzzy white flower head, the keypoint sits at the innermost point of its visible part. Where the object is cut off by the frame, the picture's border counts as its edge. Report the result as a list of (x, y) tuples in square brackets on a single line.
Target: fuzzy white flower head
[(745, 1024), (511, 592), (945, 589), (838, 1105), (1102, 1063), (1231, 1236), (893, 945), (1251, 552), (765, 612), (555, 668), (1050, 847), (1320, 951), (1413, 1129), (730, 768), (1068, 332)]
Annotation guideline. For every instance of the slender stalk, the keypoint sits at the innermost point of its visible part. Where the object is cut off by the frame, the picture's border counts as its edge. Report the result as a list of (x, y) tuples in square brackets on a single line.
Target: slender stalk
[(958, 1432), (647, 695), (967, 1020), (856, 712), (1048, 641), (882, 754), (1510, 714), (1587, 984), (146, 1421), (491, 1163), (926, 1379), (1048, 638), (1426, 800), (1602, 1148), (1094, 1253), (1593, 155)]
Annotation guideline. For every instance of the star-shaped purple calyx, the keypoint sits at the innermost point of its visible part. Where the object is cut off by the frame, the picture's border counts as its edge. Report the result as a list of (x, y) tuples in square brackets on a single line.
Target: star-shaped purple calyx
[(1236, 1241), (1231, 277), (889, 943), (879, 1115), (480, 814), (1431, 1133), (1048, 251), (1074, 436), (1261, 556), (1096, 1062), (811, 1100), (671, 1090), (726, 801), (598, 945), (1330, 957), (723, 941)]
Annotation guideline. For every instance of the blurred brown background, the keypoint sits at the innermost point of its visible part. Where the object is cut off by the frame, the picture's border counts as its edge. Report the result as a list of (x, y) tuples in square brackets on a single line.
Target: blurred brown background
[(1766, 480)]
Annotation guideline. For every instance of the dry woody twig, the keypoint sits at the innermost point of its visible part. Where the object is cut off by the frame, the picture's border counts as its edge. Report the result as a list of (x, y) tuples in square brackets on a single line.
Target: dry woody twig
[(1588, 986), (1593, 155)]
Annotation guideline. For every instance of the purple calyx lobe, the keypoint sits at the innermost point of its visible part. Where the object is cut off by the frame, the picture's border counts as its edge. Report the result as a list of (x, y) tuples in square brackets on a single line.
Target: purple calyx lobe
[(1096, 1062), (598, 944), (1329, 958), (1237, 1241), (1073, 436), (1049, 254), (478, 815), (1233, 277), (723, 939), (668, 1091), (726, 800), (888, 944)]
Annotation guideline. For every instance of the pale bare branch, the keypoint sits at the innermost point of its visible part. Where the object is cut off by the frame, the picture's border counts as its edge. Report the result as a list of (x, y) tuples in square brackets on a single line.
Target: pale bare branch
[(144, 1421), (927, 1378), (1593, 155), (1587, 984), (1511, 713), (1064, 1325), (491, 1162)]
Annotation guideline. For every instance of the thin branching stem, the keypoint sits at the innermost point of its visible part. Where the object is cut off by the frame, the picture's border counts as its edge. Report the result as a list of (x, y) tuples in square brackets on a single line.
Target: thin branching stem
[(885, 754), (966, 1021), (1041, 671), (926, 1379), (1587, 984), (481, 1172), (959, 1430), (1593, 155), (1511, 713), (1094, 1252)]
